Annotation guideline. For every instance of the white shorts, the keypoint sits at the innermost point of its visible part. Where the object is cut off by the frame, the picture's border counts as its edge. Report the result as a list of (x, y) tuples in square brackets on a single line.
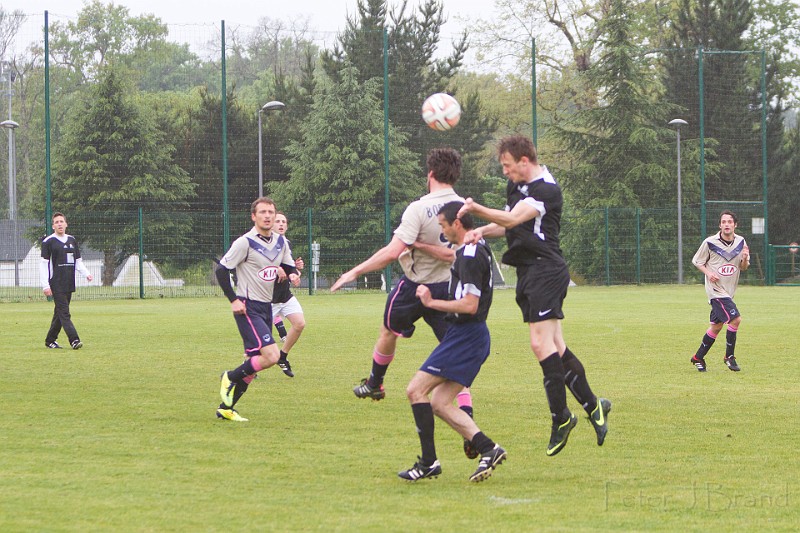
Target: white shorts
[(285, 309)]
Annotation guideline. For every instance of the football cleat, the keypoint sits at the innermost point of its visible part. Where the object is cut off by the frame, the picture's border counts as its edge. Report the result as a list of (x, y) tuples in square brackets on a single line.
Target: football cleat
[(420, 471), (488, 463), (366, 391), (284, 365), (560, 434), (699, 363), (731, 362), (231, 414), (52, 345), (226, 389), (76, 344), (599, 419)]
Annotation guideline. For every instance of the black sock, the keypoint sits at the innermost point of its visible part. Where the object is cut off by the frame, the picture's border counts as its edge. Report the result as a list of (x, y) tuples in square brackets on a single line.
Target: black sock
[(283, 355), (376, 376), (242, 371), (281, 328), (730, 343), (482, 443), (467, 409), (423, 417), (553, 371), (705, 346), (575, 379), (240, 389)]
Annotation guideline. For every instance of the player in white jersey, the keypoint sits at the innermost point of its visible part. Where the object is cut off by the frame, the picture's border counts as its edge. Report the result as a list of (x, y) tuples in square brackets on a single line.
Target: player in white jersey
[(721, 258), (260, 257), (425, 256)]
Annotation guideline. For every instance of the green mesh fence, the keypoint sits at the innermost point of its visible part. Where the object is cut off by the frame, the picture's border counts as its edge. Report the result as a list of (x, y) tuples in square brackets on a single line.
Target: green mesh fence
[(156, 165)]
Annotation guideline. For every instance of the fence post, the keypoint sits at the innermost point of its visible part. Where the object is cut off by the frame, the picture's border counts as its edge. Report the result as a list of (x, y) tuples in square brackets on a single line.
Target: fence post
[(141, 254), (226, 219), (638, 246), (608, 245), (48, 202), (533, 90), (310, 229), (387, 229)]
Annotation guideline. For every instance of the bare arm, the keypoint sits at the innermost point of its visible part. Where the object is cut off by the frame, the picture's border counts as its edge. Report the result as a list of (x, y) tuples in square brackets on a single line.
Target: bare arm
[(442, 253), (522, 212), (468, 305), (377, 261)]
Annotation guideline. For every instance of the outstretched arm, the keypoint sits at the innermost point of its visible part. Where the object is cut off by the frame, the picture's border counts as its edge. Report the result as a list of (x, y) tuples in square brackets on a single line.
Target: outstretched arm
[(377, 261), (442, 253)]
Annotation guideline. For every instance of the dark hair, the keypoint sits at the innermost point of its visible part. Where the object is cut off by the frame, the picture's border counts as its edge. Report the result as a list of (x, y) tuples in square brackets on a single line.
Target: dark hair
[(262, 200), (59, 214), (445, 164), (450, 213), (732, 214), (284, 215), (518, 146)]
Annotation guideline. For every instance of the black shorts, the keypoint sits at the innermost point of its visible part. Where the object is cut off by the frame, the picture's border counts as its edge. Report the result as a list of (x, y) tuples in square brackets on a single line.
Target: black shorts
[(541, 289), (723, 310), (255, 326), (403, 308)]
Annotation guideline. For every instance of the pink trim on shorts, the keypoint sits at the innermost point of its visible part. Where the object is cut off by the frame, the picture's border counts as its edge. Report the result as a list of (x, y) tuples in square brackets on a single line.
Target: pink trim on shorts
[(389, 312), (381, 359), (255, 334)]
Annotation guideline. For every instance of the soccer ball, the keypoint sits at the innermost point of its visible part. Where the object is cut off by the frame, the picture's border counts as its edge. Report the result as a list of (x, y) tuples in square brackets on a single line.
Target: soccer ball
[(441, 111)]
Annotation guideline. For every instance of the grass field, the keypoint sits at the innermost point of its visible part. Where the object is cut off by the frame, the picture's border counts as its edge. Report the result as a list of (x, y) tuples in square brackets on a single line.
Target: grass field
[(121, 435)]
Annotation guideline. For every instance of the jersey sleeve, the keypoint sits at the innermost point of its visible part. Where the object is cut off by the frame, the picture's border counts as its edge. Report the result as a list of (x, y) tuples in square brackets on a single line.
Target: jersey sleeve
[(410, 225), (701, 256), (236, 254), (472, 269), (46, 249)]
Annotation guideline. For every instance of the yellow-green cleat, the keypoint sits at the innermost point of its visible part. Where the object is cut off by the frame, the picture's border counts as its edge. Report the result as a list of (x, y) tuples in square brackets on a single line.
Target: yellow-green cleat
[(599, 419), (230, 414), (560, 434), (226, 390)]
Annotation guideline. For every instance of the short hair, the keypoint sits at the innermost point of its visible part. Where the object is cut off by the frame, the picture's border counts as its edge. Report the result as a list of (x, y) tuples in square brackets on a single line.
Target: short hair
[(445, 164), (518, 146), (59, 214), (732, 214), (262, 200), (450, 213), (284, 215)]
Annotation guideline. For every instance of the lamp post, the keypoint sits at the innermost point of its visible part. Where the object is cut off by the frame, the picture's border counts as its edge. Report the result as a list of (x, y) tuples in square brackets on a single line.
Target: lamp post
[(10, 125), (678, 123), (269, 106)]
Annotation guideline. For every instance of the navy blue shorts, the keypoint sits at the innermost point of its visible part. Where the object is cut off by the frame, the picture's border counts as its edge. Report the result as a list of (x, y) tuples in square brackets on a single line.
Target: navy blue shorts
[(403, 308), (723, 310), (461, 353), (255, 326), (541, 290)]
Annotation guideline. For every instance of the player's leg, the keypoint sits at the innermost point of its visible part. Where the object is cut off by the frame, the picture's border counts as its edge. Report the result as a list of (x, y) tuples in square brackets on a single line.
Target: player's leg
[(418, 392), (55, 327), (382, 357), (730, 343), (294, 314), (280, 327), (717, 318)]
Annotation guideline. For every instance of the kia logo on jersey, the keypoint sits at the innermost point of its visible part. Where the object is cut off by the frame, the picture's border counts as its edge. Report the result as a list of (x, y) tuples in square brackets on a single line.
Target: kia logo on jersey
[(727, 270), (269, 273)]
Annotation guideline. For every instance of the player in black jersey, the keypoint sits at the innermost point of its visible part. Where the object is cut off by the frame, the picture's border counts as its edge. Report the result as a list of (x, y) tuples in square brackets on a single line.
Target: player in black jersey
[(61, 257), (456, 361), (531, 223)]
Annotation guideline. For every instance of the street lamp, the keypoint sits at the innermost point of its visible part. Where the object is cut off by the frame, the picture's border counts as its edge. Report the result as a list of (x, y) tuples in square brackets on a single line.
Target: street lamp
[(269, 106), (10, 125), (678, 123)]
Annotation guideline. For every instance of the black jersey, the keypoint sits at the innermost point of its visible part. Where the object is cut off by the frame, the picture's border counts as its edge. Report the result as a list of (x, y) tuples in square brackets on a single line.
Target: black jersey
[(539, 237), (471, 273), (62, 256), (281, 293)]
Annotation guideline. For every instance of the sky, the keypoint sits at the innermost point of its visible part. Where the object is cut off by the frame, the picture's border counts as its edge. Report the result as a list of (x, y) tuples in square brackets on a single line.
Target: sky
[(324, 15)]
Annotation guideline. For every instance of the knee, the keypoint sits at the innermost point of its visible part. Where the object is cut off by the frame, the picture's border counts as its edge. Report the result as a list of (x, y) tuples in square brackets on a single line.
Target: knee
[(414, 394), (299, 323), (271, 354), (735, 322)]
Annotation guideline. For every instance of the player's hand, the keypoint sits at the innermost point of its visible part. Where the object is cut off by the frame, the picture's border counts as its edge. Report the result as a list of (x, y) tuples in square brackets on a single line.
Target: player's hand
[(746, 253), (469, 205), (238, 307), (281, 274), (424, 294), (473, 236), (712, 277), (89, 277), (299, 263), (347, 277), (294, 279), (48, 291)]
